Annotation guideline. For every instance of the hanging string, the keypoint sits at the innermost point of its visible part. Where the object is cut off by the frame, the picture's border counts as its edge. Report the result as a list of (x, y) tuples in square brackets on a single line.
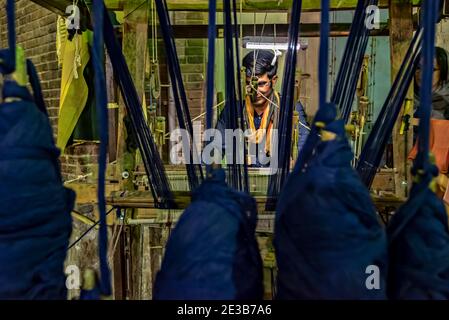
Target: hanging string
[(256, 52), (211, 34), (352, 60), (346, 82), (154, 167), (240, 99), (422, 162), (372, 151), (102, 110), (194, 170), (277, 180), (323, 65)]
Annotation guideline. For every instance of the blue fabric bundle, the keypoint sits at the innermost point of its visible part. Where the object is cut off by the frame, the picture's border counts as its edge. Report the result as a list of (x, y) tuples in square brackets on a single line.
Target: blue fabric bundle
[(35, 221), (419, 248), (327, 234), (212, 252), (418, 232), (103, 284), (326, 231)]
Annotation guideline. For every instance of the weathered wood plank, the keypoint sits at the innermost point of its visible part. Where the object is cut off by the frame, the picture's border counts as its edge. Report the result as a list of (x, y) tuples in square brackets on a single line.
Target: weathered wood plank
[(306, 30), (58, 6), (401, 33), (135, 38), (270, 5)]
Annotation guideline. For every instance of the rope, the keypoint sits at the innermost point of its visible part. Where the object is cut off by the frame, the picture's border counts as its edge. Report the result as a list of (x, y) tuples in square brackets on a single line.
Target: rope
[(194, 171), (237, 174), (240, 101), (36, 86), (277, 180), (210, 69), (372, 151), (154, 168), (352, 60), (201, 115), (256, 52), (102, 111), (346, 82), (87, 231), (428, 53)]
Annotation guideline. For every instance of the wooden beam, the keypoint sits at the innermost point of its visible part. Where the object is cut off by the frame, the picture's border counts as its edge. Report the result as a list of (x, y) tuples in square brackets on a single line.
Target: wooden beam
[(58, 6), (270, 5), (135, 39), (401, 33), (306, 30)]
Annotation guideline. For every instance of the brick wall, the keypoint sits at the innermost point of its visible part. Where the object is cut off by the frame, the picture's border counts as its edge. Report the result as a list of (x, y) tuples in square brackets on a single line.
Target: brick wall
[(80, 160), (192, 57), (36, 34)]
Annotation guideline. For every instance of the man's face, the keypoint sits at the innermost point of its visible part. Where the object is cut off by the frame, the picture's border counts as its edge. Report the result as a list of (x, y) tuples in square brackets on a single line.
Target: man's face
[(264, 88), (436, 75)]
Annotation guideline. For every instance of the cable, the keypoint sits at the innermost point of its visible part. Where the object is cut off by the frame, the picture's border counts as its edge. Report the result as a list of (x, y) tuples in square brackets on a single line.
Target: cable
[(210, 69), (277, 180), (87, 231), (371, 155)]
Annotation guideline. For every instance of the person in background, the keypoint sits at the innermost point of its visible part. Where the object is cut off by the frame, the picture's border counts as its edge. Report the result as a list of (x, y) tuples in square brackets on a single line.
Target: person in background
[(262, 106), (439, 131), (440, 86)]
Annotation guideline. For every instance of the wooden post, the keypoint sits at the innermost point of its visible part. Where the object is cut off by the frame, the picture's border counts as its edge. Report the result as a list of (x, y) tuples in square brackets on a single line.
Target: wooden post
[(111, 88), (135, 37), (401, 33)]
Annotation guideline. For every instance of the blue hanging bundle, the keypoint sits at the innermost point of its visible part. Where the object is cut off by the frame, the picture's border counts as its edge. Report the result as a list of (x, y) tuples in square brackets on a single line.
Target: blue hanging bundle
[(152, 161), (418, 233), (35, 220), (194, 171), (212, 253), (237, 170), (277, 180), (352, 59), (102, 287), (327, 233), (343, 93), (371, 155)]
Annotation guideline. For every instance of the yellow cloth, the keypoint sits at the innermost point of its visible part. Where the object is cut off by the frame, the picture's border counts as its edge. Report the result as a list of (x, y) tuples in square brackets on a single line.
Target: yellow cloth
[(74, 90), (21, 75), (265, 126)]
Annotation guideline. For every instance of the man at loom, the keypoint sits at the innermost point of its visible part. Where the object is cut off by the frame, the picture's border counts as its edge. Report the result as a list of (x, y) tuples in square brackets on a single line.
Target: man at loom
[(262, 108)]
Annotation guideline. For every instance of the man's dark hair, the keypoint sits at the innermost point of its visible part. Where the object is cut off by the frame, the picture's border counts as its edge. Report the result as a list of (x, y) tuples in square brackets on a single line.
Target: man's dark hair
[(264, 58), (441, 57)]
